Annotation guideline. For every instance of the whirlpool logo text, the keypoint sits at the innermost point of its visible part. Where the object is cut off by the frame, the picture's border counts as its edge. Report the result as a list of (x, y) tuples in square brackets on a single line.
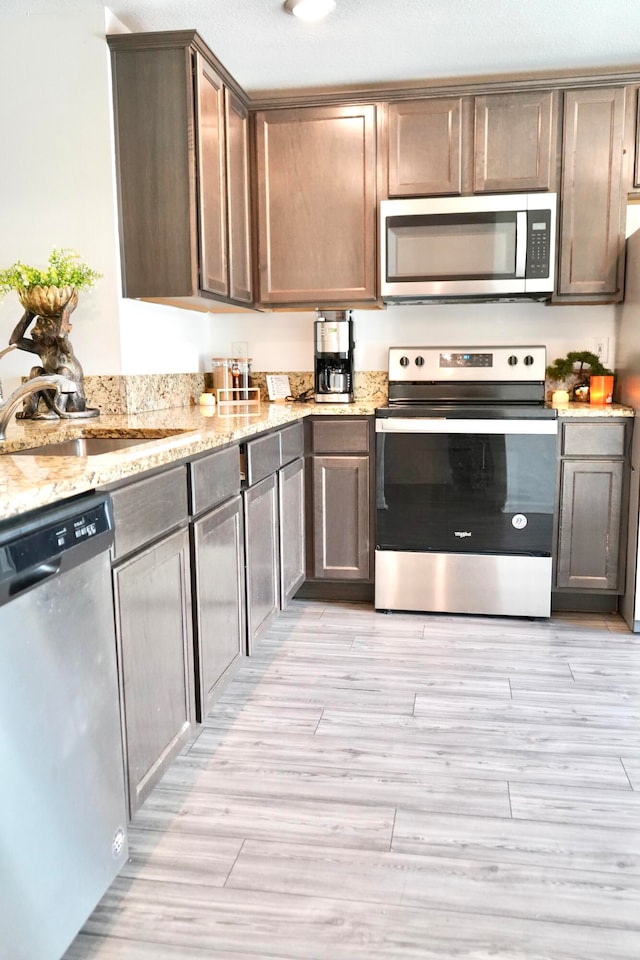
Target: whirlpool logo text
[(462, 533)]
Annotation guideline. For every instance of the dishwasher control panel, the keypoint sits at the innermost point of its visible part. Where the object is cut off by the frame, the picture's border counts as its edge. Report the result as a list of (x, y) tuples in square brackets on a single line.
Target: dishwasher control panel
[(53, 533)]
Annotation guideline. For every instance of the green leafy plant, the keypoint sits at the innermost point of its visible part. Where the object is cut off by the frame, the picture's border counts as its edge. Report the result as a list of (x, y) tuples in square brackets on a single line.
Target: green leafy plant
[(64, 269), (573, 365)]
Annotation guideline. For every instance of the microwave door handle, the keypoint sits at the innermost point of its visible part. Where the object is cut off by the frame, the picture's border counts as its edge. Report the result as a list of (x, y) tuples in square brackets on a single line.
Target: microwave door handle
[(521, 243)]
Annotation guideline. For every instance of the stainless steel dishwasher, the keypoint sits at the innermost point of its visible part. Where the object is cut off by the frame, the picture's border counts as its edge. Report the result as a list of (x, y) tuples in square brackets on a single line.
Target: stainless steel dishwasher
[(62, 802)]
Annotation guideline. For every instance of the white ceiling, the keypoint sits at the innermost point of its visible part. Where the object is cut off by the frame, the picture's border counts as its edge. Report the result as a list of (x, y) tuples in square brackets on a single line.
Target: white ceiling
[(379, 41)]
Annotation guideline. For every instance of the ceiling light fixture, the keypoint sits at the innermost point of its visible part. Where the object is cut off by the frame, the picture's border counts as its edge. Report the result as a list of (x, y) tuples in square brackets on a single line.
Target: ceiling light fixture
[(310, 9)]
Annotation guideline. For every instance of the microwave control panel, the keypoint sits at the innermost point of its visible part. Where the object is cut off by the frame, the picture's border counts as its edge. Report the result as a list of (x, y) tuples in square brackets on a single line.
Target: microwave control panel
[(539, 243)]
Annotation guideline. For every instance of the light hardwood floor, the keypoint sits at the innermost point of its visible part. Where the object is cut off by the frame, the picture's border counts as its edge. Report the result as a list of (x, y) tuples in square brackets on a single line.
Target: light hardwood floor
[(401, 786)]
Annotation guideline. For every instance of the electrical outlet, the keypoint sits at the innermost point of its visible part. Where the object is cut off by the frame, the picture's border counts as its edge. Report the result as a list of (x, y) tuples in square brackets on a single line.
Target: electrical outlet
[(600, 346)]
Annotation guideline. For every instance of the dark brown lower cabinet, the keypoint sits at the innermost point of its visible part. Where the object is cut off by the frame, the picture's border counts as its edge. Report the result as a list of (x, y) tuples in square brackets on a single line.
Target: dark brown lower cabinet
[(262, 557), (153, 628), (340, 503), (291, 510), (591, 515), (219, 598), (341, 517), (589, 522)]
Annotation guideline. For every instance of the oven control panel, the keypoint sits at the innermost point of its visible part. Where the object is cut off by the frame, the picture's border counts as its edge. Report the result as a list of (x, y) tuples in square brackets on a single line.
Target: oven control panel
[(432, 364)]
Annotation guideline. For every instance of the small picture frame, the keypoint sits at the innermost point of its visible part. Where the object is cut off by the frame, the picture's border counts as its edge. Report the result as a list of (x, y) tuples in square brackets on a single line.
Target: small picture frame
[(278, 386)]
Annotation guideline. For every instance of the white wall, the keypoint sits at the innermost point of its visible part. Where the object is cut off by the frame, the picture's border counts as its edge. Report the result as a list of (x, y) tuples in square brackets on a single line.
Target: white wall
[(285, 341), (56, 190), (55, 166)]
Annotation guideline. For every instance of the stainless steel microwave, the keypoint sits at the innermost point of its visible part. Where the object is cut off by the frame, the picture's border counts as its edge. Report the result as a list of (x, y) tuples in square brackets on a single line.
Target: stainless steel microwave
[(496, 247)]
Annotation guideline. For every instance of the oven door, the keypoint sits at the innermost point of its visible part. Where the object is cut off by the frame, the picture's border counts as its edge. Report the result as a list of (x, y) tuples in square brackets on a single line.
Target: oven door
[(465, 485)]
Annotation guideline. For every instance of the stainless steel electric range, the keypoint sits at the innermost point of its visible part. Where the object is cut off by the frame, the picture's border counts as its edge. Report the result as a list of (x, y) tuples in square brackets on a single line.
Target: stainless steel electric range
[(465, 482)]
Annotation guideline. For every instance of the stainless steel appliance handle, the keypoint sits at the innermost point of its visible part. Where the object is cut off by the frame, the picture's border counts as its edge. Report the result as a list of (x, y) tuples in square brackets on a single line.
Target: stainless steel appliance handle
[(521, 243), (443, 425)]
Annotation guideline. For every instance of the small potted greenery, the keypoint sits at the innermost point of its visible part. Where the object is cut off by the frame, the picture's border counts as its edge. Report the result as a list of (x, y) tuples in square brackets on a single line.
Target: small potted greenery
[(575, 370), (49, 297), (46, 292)]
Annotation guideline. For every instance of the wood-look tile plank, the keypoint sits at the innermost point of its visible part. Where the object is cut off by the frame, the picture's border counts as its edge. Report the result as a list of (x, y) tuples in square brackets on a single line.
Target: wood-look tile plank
[(300, 718), (570, 750), (504, 889), (312, 928), (302, 821), (574, 805), (550, 712), (179, 857), (291, 782), (568, 693), (591, 847), (285, 694), (491, 756), (89, 947)]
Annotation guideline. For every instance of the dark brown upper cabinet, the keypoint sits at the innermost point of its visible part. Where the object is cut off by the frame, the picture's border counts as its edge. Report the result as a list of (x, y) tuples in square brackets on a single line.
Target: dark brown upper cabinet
[(498, 143), (515, 142), (425, 147), (316, 205), (182, 170), (593, 208)]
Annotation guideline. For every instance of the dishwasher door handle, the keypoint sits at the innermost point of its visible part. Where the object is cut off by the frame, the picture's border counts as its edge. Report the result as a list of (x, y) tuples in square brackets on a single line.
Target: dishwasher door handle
[(34, 576)]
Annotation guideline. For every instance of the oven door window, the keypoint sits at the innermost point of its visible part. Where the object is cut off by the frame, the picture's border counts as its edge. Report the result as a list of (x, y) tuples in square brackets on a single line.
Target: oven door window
[(472, 246), (465, 493)]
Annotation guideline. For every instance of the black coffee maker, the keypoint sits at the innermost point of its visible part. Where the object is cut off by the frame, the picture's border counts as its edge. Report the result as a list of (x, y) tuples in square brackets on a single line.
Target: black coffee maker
[(333, 336)]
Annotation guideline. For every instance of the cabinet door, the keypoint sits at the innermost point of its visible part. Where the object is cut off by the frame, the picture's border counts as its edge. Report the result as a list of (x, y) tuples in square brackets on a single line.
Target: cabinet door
[(316, 204), (212, 208), (340, 503), (262, 558), (153, 625), (155, 160), (218, 551), (592, 212), (589, 524), (237, 129), (291, 503), (425, 147), (514, 142)]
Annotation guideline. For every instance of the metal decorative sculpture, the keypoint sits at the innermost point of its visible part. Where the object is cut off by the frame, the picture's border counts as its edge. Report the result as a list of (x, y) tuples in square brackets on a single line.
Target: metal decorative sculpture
[(50, 308)]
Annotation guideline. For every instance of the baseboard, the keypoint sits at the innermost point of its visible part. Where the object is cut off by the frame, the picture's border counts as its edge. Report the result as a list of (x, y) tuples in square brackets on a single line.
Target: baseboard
[(335, 590), (584, 603)]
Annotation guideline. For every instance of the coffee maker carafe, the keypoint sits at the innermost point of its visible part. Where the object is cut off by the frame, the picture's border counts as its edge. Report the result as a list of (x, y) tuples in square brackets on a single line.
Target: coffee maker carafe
[(333, 335)]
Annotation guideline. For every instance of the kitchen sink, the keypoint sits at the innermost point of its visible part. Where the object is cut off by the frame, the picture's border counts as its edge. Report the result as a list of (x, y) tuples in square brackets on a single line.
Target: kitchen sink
[(94, 445)]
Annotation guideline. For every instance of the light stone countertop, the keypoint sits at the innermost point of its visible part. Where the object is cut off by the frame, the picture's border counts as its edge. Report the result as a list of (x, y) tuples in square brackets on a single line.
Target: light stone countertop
[(587, 410), (28, 482)]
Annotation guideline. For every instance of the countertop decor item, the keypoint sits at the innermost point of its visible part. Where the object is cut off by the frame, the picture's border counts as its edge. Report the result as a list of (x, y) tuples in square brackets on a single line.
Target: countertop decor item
[(573, 372), (49, 297)]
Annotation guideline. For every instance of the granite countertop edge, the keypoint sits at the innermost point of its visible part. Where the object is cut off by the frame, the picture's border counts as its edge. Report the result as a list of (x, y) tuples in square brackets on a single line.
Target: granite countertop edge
[(29, 482)]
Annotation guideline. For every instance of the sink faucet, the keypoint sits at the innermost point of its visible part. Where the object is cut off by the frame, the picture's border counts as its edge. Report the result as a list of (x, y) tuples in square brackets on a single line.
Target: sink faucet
[(45, 382)]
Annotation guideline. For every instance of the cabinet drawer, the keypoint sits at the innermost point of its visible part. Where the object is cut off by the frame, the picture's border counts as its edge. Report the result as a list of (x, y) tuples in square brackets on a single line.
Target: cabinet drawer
[(262, 457), (340, 436), (291, 443), (593, 439), (214, 478), (147, 508)]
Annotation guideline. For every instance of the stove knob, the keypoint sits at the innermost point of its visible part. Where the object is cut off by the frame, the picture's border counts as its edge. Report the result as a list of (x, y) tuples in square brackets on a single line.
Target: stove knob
[(419, 361), (404, 361), (528, 360), (512, 360)]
